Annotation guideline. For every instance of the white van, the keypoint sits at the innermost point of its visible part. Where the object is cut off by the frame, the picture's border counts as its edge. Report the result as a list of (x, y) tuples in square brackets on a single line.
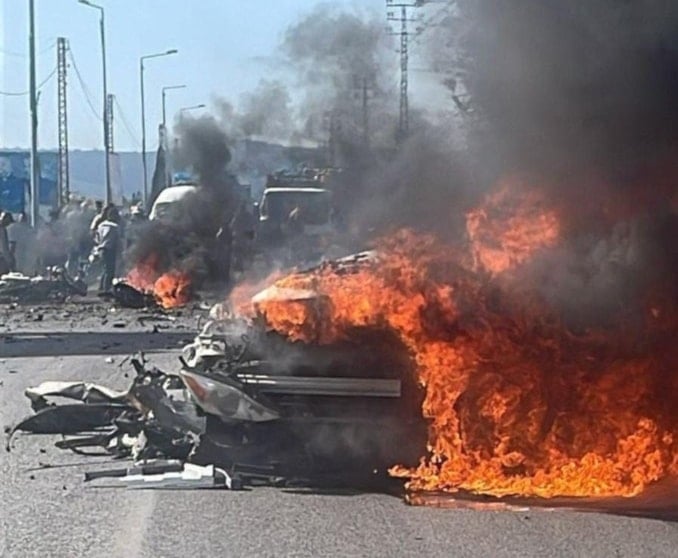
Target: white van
[(168, 197)]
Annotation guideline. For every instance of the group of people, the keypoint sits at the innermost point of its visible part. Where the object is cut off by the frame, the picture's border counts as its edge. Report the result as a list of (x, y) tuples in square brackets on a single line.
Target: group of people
[(76, 236)]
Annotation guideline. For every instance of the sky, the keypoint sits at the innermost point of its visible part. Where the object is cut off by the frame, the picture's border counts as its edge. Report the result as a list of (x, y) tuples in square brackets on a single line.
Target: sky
[(225, 48)]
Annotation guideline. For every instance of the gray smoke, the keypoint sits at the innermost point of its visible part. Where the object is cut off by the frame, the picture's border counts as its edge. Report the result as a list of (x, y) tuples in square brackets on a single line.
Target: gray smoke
[(186, 239), (265, 112), (587, 85), (581, 95), (335, 54)]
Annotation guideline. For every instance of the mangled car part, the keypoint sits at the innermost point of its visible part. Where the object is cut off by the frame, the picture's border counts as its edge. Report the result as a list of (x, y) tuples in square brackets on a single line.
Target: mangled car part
[(129, 297), (153, 418), (267, 400), (82, 391)]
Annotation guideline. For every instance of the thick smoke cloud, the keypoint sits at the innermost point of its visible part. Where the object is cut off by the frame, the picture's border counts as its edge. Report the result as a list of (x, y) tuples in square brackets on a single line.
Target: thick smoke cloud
[(589, 84), (580, 97), (203, 147), (186, 239), (334, 54), (265, 112), (425, 185)]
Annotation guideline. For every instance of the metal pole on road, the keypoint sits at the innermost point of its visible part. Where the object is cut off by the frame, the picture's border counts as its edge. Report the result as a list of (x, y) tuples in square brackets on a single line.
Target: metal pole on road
[(105, 96), (143, 115), (33, 101), (164, 108)]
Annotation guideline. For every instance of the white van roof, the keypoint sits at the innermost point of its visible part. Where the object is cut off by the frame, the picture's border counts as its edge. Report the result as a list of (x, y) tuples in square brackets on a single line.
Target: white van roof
[(175, 193), (295, 191)]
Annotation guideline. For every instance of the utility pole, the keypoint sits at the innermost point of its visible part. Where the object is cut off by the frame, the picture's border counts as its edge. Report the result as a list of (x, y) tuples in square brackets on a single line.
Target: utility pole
[(363, 84), (63, 187), (366, 115), (33, 105), (403, 121)]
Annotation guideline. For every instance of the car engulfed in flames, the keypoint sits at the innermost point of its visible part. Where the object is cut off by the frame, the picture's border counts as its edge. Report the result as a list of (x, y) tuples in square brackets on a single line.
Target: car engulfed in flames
[(343, 410), (517, 401)]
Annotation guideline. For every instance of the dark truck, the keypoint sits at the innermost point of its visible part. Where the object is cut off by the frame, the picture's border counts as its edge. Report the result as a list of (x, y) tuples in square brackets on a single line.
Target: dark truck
[(296, 218)]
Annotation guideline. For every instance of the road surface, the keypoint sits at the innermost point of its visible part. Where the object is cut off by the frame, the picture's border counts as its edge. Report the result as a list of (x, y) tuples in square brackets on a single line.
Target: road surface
[(49, 512)]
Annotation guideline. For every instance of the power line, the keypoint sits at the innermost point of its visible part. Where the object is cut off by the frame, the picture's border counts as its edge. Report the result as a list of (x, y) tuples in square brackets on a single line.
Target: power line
[(23, 55), (125, 123), (83, 86), (22, 93)]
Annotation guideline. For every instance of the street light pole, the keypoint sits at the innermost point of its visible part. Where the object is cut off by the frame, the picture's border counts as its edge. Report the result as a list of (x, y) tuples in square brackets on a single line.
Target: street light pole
[(164, 108), (102, 26), (143, 116), (184, 109)]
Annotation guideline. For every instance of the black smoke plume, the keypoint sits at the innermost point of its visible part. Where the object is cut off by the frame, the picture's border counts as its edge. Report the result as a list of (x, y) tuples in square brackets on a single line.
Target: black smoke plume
[(580, 97), (186, 240)]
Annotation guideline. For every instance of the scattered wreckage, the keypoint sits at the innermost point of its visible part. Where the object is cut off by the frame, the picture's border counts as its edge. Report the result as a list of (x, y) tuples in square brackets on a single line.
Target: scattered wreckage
[(55, 285), (245, 406)]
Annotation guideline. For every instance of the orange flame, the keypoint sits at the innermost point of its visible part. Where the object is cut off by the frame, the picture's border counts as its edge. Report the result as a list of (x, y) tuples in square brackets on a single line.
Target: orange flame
[(510, 227), (517, 404), (170, 289)]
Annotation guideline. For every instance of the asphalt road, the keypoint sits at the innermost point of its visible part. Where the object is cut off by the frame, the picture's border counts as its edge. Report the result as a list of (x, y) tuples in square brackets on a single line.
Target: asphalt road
[(49, 512)]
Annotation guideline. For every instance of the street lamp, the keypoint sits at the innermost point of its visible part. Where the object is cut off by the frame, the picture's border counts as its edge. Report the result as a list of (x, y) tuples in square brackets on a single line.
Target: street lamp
[(184, 109), (143, 113), (103, 64), (164, 111)]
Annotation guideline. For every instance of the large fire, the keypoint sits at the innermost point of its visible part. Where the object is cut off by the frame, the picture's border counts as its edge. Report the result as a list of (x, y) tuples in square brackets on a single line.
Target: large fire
[(170, 289), (517, 402)]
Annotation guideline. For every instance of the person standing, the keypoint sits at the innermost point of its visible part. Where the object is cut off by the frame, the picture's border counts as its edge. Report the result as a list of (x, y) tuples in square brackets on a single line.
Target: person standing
[(6, 256), (243, 226), (107, 246), (98, 218), (23, 246)]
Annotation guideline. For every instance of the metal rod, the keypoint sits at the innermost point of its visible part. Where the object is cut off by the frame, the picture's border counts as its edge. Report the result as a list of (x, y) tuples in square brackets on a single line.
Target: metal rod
[(143, 132), (164, 107), (303, 385)]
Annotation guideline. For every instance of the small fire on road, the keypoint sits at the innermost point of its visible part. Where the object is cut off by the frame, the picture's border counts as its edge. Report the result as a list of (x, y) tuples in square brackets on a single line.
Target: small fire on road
[(170, 289), (518, 401)]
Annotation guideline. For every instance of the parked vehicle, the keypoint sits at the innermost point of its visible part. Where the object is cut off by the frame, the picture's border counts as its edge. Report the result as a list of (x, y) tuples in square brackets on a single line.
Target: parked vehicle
[(168, 198)]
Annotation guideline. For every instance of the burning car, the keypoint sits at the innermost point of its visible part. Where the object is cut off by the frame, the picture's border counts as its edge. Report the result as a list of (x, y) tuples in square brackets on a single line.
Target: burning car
[(352, 405)]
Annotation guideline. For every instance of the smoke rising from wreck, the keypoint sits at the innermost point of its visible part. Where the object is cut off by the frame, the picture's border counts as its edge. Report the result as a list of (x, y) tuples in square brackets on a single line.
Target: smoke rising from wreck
[(575, 100), (185, 241), (264, 112), (331, 55), (579, 98), (586, 85)]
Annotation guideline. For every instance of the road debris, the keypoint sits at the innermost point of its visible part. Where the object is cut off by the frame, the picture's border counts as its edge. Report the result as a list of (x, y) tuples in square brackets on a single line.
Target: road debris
[(55, 285), (170, 476), (243, 407)]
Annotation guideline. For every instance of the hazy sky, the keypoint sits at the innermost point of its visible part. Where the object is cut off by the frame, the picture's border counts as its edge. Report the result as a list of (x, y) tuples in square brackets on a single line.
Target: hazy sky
[(225, 48)]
